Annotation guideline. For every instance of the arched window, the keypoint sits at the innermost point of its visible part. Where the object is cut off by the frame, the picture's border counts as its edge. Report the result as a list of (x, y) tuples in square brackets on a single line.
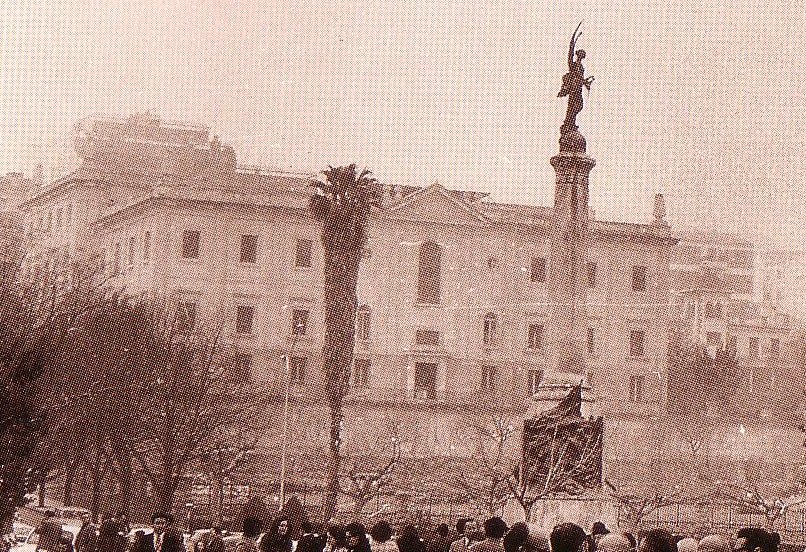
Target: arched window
[(490, 329), (430, 273)]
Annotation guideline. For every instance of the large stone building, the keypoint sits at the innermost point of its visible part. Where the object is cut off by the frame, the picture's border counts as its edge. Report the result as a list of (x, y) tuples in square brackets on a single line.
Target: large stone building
[(452, 285)]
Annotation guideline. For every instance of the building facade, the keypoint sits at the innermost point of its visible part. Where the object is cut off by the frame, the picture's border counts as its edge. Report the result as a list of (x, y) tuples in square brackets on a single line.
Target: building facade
[(452, 286)]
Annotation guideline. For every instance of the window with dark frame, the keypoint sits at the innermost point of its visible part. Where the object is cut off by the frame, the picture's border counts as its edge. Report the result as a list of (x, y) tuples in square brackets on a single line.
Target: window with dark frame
[(636, 391), (490, 330), (361, 372), (303, 256), (639, 278), (296, 370), (299, 321), (637, 343), (244, 318), (537, 273), (488, 378), (533, 381), (534, 340), (248, 248), (591, 274), (426, 337), (190, 244), (429, 273)]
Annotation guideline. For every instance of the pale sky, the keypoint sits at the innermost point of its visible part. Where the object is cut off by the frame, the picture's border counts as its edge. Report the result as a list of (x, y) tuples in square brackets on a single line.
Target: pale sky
[(702, 101)]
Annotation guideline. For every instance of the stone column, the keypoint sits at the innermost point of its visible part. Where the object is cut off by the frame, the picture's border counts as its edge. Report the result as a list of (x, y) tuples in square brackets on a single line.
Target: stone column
[(567, 277)]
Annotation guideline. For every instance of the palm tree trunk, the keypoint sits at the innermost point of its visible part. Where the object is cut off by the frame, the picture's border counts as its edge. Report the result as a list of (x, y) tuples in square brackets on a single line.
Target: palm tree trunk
[(341, 278)]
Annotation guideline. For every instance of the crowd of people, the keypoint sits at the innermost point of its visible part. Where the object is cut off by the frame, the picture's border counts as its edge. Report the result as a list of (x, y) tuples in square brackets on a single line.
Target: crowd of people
[(494, 535)]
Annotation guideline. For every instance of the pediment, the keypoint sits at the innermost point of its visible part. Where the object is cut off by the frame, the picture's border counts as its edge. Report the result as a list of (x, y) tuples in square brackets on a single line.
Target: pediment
[(435, 204)]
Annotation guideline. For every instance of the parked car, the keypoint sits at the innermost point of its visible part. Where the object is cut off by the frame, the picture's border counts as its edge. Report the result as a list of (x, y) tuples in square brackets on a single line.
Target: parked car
[(69, 533)]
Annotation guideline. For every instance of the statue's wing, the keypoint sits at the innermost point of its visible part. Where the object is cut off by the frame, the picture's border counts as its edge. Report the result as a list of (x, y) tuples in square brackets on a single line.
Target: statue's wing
[(574, 38)]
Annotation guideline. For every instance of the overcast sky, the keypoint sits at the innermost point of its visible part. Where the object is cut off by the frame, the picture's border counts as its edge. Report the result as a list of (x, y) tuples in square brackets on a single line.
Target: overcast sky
[(701, 101)]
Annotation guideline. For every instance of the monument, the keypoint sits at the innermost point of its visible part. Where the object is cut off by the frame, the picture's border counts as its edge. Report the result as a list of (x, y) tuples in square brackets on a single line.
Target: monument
[(567, 277)]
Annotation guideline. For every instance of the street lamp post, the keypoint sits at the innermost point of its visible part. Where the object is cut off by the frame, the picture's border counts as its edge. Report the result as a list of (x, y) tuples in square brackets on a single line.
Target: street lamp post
[(284, 452)]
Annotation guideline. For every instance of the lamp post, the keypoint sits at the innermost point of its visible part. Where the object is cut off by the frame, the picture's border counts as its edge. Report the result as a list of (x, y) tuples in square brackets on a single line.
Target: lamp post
[(297, 327)]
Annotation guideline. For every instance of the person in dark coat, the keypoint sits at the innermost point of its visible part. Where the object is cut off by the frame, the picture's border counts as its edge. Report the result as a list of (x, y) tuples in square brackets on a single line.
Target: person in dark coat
[(112, 536), (440, 542), (161, 540), (278, 539), (50, 533), (409, 540), (87, 537)]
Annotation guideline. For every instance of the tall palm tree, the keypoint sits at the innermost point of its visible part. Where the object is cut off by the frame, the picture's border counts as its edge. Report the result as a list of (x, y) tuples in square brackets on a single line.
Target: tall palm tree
[(342, 204)]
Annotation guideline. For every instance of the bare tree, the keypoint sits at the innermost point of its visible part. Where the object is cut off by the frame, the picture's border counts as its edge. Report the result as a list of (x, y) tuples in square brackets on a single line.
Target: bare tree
[(368, 474), (750, 498), (636, 506)]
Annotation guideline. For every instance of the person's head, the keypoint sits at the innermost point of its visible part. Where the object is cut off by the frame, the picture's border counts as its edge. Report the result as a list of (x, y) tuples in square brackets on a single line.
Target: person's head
[(215, 530), (567, 537), (381, 531), (755, 539), (713, 543), (355, 533), (252, 527), (494, 528), (442, 530), (599, 528), (336, 536), (306, 527), (613, 542), (409, 538), (687, 544), (516, 537), (657, 540), (466, 526), (580, 54), (159, 520)]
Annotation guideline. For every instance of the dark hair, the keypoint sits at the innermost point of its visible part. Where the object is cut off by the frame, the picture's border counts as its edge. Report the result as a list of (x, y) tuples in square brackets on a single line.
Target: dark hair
[(599, 528), (567, 537), (659, 540), (306, 527), (442, 530), (759, 538), (630, 537), (409, 540), (460, 525), (358, 530), (159, 515), (495, 528), (252, 527), (516, 537), (381, 531), (338, 534), (355, 528)]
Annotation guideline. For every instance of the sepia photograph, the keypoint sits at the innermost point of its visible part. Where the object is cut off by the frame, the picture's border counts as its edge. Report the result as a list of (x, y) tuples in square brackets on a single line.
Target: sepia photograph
[(402, 276)]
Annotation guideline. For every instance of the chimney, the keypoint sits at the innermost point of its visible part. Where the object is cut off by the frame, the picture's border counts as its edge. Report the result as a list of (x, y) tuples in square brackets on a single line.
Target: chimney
[(659, 212)]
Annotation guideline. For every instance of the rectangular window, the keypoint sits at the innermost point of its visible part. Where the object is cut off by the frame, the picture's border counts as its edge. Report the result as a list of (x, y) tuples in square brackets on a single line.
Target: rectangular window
[(185, 317), (591, 274), (425, 380), (533, 381), (538, 271), (429, 273), (190, 244), (243, 319), (131, 251), (775, 348), (248, 248), (362, 325), (299, 321), (753, 349), (147, 246), (296, 370), (490, 330), (636, 391), (488, 377), (241, 369), (591, 341), (535, 337), (637, 343), (427, 337), (303, 253), (361, 372), (639, 278), (713, 338)]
